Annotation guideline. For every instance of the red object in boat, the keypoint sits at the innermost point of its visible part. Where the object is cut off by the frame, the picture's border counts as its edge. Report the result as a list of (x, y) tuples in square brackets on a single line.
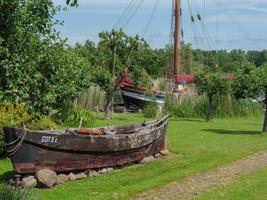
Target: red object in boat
[(185, 79)]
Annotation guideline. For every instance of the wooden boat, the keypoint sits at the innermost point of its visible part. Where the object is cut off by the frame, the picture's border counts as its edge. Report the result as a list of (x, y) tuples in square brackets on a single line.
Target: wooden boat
[(76, 150), (136, 98)]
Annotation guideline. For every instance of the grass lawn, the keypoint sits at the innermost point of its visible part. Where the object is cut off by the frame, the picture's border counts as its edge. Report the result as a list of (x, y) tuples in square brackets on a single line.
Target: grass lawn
[(249, 187), (196, 145)]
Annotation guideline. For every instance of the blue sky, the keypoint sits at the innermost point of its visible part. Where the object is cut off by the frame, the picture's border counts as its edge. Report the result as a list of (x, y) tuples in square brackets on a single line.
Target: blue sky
[(219, 32)]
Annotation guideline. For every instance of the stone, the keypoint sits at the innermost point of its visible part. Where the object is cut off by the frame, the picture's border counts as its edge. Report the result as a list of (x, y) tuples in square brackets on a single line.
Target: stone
[(110, 169), (165, 152), (29, 182), (46, 178), (11, 182), (158, 155), (72, 177), (93, 173), (81, 175), (62, 178), (147, 160), (103, 171)]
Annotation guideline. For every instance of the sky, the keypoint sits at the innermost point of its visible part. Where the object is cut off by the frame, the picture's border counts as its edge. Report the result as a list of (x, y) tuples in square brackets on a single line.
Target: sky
[(225, 24)]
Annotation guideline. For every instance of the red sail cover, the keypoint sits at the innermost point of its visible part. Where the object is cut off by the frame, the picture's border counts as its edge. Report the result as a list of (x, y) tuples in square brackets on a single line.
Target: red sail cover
[(185, 79)]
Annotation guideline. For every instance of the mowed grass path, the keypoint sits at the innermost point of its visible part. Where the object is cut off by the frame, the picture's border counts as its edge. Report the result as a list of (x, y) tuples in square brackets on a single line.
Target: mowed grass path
[(251, 187), (196, 145)]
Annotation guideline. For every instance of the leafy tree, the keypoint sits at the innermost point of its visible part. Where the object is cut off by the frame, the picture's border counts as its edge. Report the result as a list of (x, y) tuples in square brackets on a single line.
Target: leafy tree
[(247, 83), (35, 65), (212, 84), (263, 72)]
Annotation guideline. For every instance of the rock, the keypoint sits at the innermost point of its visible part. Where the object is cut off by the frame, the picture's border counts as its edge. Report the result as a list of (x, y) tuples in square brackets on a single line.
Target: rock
[(29, 182), (93, 173), (158, 155), (81, 175), (72, 177), (165, 152), (103, 171), (147, 160), (87, 172), (62, 178), (46, 178), (11, 182), (110, 169)]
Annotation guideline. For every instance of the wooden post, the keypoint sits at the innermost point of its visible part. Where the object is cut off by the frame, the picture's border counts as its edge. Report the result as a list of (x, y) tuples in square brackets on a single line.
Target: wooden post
[(110, 93), (176, 63), (265, 119)]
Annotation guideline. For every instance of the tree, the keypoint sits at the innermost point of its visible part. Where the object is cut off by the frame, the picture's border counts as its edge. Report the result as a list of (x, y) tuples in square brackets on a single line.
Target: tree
[(263, 73), (251, 82), (212, 84), (247, 82), (35, 64)]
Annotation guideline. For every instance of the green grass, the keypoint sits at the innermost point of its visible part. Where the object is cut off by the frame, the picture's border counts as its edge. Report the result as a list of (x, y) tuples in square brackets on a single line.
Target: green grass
[(196, 145), (249, 187)]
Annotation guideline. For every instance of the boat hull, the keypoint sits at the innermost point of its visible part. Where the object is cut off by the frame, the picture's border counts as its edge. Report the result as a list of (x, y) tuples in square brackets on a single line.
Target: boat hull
[(135, 100), (70, 152)]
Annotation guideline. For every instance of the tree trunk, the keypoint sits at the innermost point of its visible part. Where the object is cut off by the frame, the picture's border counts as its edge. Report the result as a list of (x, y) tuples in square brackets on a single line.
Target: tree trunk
[(109, 104), (74, 102), (110, 94), (209, 112), (265, 119)]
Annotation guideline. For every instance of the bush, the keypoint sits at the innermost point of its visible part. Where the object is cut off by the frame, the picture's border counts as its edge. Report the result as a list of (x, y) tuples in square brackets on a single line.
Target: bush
[(71, 117), (10, 193), (12, 115), (196, 107), (151, 110), (44, 123)]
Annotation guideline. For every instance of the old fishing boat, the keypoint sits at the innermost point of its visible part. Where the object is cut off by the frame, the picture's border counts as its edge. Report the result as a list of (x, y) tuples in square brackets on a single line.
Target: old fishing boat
[(136, 98), (81, 149)]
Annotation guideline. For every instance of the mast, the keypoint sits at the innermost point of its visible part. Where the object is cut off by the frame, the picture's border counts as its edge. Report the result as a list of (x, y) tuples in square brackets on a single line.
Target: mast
[(176, 63)]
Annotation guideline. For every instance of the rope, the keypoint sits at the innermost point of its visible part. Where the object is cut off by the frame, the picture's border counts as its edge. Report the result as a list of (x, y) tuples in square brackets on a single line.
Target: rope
[(16, 148), (133, 14), (151, 17), (234, 21), (125, 13)]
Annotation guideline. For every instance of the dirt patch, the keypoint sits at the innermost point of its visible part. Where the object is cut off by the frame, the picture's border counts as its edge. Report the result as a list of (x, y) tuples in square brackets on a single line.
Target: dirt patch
[(193, 186)]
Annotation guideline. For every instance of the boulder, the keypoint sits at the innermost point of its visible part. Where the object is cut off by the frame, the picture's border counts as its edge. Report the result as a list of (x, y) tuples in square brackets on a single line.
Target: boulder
[(62, 178), (110, 169), (72, 177), (11, 182), (46, 178), (158, 155), (29, 182), (103, 171), (147, 160), (81, 175), (93, 173), (165, 152)]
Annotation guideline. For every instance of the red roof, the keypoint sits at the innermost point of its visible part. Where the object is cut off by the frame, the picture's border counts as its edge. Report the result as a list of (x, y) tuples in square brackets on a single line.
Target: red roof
[(185, 79)]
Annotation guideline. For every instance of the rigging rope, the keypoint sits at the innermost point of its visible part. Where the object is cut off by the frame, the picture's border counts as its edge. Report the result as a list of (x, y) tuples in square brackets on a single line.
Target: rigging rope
[(151, 17), (234, 21), (124, 14), (133, 13)]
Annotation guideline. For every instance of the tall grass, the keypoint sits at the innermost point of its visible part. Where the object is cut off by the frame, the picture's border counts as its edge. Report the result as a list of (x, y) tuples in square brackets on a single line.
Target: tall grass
[(93, 99), (196, 107), (10, 193)]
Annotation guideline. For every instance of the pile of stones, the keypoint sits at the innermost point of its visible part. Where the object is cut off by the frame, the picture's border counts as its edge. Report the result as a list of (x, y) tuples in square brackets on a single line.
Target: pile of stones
[(47, 178)]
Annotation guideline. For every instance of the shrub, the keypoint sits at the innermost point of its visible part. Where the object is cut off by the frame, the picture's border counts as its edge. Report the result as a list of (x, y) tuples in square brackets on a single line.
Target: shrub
[(73, 118), (44, 123), (12, 115), (196, 107), (151, 110), (10, 193)]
